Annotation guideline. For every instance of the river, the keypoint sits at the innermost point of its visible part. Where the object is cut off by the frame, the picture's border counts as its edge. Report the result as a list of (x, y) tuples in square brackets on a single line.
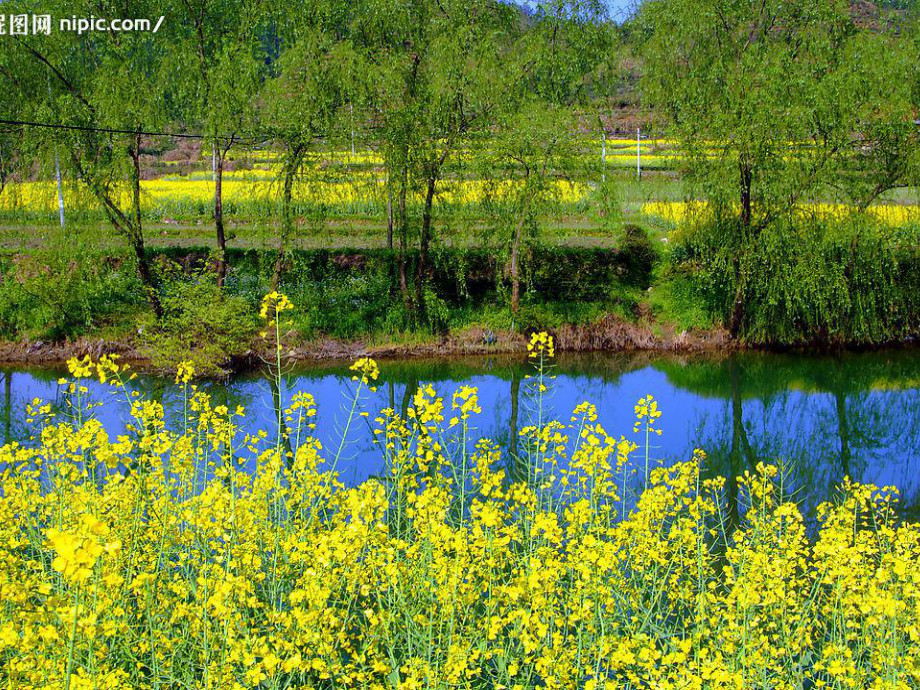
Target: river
[(822, 416)]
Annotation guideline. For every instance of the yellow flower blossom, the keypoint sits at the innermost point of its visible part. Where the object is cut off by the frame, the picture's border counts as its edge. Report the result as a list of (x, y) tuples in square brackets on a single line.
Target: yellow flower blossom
[(207, 556)]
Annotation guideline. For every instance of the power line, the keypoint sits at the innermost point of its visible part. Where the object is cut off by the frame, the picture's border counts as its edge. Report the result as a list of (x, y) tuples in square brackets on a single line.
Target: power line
[(180, 135)]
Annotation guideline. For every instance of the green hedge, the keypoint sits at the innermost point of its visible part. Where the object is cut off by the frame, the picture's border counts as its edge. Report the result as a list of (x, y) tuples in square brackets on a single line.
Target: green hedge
[(854, 282)]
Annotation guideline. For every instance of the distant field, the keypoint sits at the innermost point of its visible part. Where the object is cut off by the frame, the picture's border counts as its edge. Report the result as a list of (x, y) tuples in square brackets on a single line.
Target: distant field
[(340, 200)]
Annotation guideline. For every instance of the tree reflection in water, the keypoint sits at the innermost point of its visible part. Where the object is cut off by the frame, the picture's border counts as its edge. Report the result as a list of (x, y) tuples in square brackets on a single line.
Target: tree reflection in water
[(822, 417)]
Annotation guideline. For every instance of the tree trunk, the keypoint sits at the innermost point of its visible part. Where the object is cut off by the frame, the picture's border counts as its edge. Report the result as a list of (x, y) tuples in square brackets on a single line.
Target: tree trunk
[(219, 218), (135, 231), (424, 247), (516, 259), (135, 152), (131, 229), (746, 180), (389, 216), (515, 273), (405, 131), (287, 216), (737, 314), (146, 275), (736, 319), (403, 228)]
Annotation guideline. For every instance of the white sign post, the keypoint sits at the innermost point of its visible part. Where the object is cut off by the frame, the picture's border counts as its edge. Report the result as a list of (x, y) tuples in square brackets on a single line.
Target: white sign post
[(639, 153), (603, 154)]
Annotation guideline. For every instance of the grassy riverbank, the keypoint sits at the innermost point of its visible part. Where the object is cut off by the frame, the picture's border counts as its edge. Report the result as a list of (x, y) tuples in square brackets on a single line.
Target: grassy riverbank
[(818, 282)]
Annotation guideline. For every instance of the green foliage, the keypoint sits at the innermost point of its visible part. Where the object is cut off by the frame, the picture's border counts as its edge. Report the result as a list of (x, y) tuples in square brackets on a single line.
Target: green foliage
[(550, 316), (217, 63), (607, 197), (579, 274), (638, 255), (351, 294), (810, 282), (201, 324), (566, 45), (341, 297), (437, 312), (533, 316), (676, 299), (772, 102), (775, 105), (56, 295), (897, 4)]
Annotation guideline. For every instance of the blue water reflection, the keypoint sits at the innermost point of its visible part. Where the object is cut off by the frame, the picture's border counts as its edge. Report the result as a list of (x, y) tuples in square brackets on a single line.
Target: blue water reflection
[(826, 417)]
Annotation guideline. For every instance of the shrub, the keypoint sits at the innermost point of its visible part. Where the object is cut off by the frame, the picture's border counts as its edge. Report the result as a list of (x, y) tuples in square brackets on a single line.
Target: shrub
[(809, 281), (200, 324), (58, 294), (345, 296), (638, 255)]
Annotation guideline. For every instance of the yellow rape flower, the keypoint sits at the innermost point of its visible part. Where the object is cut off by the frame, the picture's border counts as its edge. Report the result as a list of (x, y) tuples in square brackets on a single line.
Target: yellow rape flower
[(541, 345)]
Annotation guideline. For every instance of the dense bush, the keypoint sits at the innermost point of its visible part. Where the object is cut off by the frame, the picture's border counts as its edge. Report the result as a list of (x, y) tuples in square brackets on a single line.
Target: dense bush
[(637, 255), (345, 294), (799, 280), (200, 324), (57, 294), (351, 293), (808, 281), (587, 274), (345, 298)]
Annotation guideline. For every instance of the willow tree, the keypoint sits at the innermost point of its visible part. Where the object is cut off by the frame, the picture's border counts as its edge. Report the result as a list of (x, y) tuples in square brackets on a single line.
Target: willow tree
[(99, 93), (769, 101), (10, 135), (884, 150), (301, 107), (536, 146), (220, 39), (533, 159), (439, 68)]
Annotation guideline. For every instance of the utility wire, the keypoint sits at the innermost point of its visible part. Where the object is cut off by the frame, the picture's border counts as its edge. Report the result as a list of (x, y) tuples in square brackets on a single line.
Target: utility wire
[(180, 135)]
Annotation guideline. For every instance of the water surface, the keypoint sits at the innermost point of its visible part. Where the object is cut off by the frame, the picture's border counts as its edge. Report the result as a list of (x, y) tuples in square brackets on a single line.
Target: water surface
[(824, 416)]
